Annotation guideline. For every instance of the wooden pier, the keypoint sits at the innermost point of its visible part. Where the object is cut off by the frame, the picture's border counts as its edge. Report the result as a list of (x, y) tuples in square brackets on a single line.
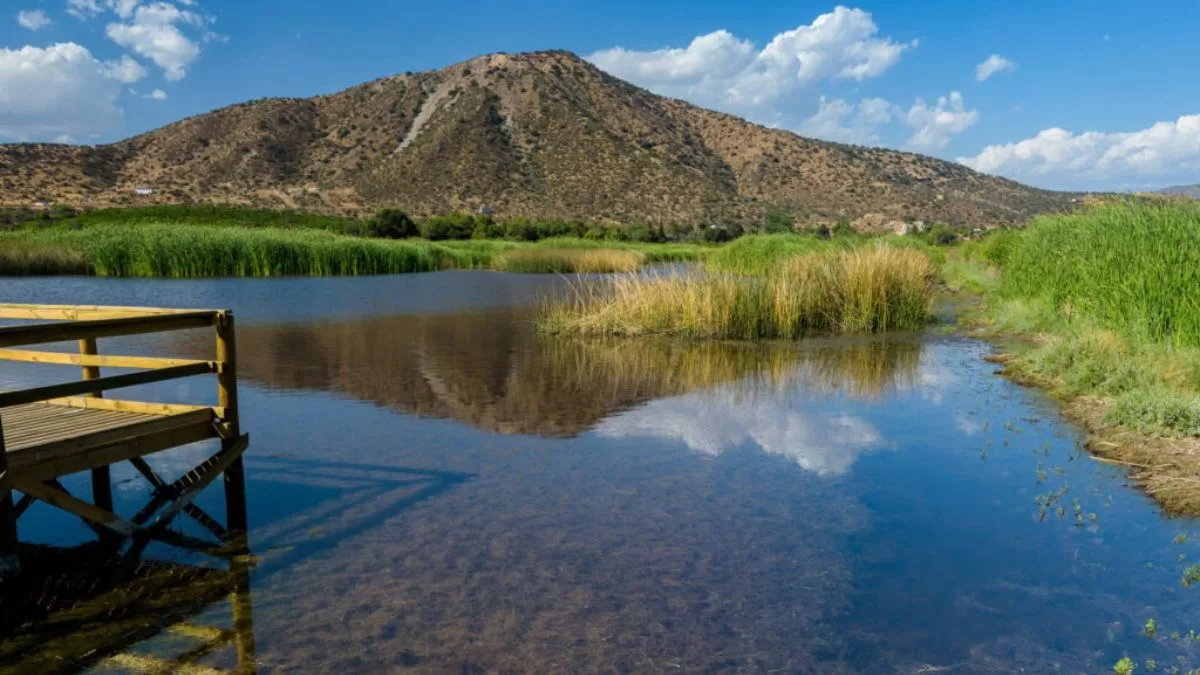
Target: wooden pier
[(47, 432)]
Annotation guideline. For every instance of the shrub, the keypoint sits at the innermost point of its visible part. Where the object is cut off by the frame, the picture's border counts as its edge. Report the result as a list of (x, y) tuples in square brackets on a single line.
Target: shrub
[(392, 224)]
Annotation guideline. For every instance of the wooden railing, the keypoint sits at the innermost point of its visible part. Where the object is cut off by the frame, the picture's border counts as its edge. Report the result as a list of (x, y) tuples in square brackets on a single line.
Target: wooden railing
[(86, 324)]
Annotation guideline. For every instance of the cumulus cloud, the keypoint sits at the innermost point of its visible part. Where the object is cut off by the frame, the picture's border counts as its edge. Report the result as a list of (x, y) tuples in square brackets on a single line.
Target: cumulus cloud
[(934, 126), (1165, 152), (993, 65), (838, 120), (61, 89), (84, 9), (722, 71), (155, 34), (33, 19), (158, 95)]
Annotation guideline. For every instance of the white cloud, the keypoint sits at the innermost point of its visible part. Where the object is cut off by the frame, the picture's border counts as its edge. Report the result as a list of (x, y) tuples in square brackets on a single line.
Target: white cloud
[(722, 71), (33, 19), (994, 64), (713, 422), (61, 89), (154, 33), (125, 70), (1166, 152), (123, 8), (158, 95), (84, 9), (934, 126), (838, 120)]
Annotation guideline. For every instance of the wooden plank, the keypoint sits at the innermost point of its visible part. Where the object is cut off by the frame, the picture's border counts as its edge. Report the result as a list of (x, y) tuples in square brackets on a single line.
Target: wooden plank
[(9, 310), (117, 452), (138, 407), (73, 505), (130, 433), (36, 394), (62, 358), (15, 336)]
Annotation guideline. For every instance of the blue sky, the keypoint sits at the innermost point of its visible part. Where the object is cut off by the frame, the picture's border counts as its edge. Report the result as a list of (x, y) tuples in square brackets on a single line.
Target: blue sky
[(1085, 95)]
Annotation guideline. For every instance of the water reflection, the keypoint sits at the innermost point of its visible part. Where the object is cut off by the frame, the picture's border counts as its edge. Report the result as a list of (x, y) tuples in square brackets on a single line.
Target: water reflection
[(491, 370), (87, 606)]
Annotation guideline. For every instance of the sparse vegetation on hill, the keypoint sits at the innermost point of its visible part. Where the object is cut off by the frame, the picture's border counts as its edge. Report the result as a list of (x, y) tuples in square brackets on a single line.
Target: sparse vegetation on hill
[(528, 135)]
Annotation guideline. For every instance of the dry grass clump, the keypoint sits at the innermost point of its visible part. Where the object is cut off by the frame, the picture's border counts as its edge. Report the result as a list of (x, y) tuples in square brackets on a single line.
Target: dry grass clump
[(569, 260), (867, 290)]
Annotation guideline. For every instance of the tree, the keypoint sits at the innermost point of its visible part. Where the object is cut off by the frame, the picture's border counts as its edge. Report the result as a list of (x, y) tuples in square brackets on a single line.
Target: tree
[(390, 223)]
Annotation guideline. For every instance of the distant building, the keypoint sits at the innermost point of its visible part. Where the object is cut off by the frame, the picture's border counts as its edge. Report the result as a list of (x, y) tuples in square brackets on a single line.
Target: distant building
[(485, 210), (40, 205), (143, 191)]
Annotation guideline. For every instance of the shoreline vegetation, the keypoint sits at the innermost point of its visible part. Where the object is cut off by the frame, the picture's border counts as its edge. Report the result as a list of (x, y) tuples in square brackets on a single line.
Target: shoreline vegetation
[(1102, 309)]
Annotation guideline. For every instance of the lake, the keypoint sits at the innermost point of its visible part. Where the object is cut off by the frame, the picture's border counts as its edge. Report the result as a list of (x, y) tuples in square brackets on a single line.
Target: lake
[(435, 488)]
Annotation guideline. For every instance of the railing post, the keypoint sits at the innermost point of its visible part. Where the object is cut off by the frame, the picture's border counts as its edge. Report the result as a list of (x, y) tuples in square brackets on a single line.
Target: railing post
[(9, 562), (227, 397), (101, 476)]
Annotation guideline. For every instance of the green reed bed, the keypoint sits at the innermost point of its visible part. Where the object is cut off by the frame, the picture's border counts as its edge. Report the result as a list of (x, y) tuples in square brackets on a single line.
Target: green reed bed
[(1132, 266), (194, 251), (652, 252), (867, 290), (26, 258), (755, 254)]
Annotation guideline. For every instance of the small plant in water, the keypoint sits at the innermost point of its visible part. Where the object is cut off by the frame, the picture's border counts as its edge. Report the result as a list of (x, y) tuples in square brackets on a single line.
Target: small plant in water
[(1124, 667), (1151, 627), (1191, 575), (1180, 538)]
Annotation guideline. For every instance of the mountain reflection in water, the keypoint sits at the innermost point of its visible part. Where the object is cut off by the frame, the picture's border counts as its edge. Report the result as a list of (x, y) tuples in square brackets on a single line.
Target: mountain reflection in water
[(493, 371)]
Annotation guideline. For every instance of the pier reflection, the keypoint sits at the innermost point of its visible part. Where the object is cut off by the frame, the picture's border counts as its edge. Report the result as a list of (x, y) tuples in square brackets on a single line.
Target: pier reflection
[(89, 607)]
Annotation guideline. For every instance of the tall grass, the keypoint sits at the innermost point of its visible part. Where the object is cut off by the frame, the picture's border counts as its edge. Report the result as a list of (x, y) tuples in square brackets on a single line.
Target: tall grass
[(858, 291), (566, 260), (191, 251), (754, 254), (1131, 266), (24, 258), (179, 250)]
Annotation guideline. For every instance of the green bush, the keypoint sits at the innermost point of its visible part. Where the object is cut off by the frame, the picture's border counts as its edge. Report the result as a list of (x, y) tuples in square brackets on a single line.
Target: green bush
[(392, 224)]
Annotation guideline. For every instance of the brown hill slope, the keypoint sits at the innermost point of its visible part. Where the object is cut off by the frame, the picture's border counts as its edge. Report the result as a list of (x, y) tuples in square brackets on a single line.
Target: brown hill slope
[(543, 134)]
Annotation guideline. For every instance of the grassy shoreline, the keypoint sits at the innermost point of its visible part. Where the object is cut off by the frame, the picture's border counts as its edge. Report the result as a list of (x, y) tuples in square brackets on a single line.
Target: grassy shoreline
[(1095, 309), (177, 251)]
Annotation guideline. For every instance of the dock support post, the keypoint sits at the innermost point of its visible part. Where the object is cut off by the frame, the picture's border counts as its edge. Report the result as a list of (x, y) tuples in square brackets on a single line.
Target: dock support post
[(9, 562), (227, 395), (101, 476)]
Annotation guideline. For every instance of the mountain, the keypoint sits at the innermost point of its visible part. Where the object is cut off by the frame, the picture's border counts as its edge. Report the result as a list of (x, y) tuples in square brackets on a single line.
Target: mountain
[(1182, 191), (543, 134)]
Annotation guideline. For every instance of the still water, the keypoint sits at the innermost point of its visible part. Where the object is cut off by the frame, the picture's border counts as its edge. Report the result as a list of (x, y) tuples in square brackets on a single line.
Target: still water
[(434, 488)]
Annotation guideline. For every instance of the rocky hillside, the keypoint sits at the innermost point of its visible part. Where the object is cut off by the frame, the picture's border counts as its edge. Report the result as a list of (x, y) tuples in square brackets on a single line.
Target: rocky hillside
[(543, 135)]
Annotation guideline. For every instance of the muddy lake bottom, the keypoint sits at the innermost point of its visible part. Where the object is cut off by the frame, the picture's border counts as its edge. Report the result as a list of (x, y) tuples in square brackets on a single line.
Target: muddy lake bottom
[(434, 488)]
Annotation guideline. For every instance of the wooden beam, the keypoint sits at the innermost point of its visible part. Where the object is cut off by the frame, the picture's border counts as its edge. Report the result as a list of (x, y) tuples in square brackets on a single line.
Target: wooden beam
[(102, 495), (118, 452), (207, 473), (9, 562), (12, 310), (236, 518), (64, 359), (15, 336), (138, 407), (66, 502), (40, 394)]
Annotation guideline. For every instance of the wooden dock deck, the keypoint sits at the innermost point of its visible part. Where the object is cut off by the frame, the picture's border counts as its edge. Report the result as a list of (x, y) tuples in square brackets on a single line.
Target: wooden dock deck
[(51, 431)]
